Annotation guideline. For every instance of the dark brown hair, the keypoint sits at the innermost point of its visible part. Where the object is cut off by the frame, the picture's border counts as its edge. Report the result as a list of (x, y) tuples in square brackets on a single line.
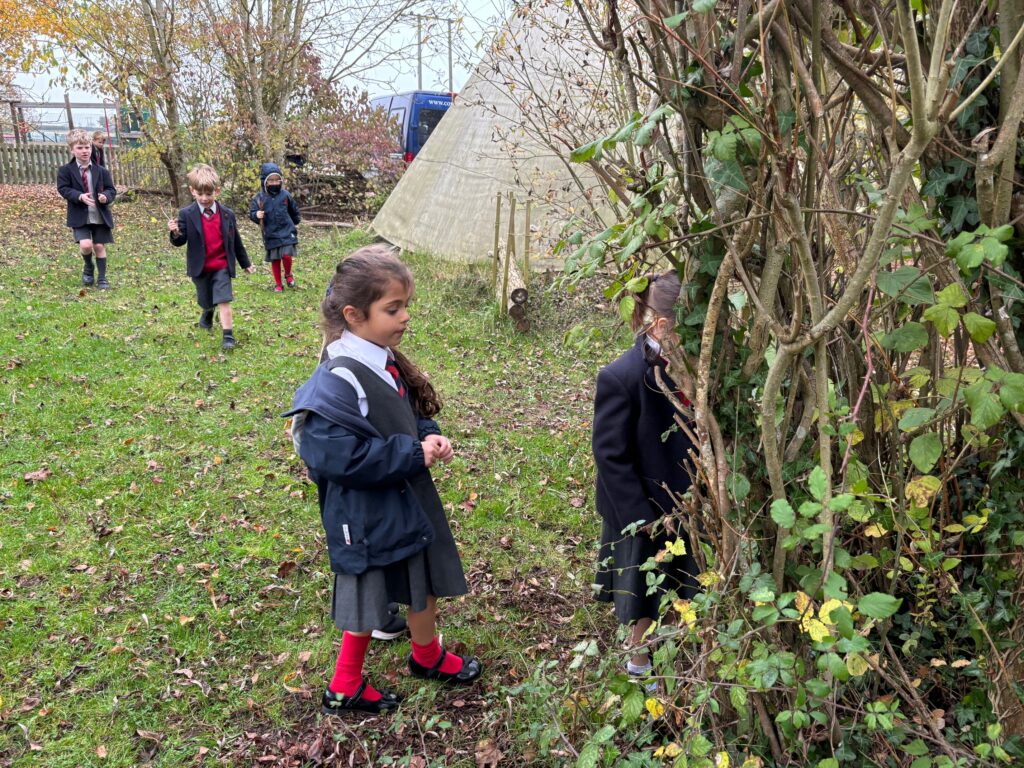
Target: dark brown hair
[(657, 300), (359, 280)]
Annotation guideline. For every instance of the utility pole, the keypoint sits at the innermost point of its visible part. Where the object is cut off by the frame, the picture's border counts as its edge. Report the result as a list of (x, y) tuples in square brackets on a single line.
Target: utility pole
[(419, 53), (450, 79)]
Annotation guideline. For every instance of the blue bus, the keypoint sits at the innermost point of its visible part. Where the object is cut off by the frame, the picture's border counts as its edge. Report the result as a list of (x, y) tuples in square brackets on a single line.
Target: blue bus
[(417, 113)]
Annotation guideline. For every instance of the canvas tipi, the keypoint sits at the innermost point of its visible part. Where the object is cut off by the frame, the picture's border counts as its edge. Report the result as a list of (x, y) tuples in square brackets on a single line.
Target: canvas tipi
[(538, 92)]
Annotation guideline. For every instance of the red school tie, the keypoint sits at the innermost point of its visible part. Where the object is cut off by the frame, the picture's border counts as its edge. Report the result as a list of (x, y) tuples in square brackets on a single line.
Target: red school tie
[(85, 178), (208, 213), (392, 368)]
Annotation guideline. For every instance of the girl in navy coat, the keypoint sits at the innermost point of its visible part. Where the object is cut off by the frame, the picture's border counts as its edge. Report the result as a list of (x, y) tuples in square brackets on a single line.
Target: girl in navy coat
[(364, 425), (274, 209), (638, 448)]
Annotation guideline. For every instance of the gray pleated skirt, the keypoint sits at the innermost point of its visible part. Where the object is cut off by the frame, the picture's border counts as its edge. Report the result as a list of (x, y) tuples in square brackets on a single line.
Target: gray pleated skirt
[(360, 603), (620, 580), (276, 254)]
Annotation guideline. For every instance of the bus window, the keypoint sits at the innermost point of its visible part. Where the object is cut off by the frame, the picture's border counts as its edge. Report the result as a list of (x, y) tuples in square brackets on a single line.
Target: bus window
[(397, 115)]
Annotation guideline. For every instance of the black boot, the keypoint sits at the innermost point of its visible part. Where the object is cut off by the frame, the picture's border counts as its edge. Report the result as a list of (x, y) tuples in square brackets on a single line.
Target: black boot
[(229, 340), (87, 269), (101, 276)]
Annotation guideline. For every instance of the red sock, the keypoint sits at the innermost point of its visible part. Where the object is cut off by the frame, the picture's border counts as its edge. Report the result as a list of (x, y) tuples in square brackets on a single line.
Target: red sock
[(276, 267), (348, 672), (287, 266), (427, 656)]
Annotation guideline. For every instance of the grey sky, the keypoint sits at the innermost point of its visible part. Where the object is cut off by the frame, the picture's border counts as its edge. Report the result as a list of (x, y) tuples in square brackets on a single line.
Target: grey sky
[(480, 18)]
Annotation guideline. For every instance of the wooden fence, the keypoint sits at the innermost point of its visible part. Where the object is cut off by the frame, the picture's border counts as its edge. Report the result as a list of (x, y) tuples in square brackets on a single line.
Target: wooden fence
[(37, 163)]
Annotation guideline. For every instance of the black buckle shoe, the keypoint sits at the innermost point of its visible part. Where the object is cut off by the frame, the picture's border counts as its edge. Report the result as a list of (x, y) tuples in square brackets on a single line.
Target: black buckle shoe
[(103, 284), (471, 670), (206, 319), (228, 343), (87, 273), (336, 703)]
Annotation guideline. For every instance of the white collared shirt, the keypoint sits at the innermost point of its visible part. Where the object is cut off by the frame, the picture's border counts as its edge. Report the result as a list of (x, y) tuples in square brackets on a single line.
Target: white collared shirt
[(365, 352), (213, 208)]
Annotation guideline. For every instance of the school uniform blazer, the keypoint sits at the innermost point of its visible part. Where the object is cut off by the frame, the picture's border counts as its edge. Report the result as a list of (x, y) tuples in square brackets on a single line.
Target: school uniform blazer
[(631, 416), (70, 187), (190, 231), (370, 516)]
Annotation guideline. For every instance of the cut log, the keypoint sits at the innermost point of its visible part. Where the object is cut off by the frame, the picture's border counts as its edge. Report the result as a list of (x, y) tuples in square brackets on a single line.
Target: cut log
[(517, 296)]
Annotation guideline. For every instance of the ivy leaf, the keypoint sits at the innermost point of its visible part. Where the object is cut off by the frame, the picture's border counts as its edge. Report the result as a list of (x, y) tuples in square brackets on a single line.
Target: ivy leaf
[(909, 284), (925, 451), (626, 307), (986, 409), (1011, 392), (703, 6), (994, 251), (724, 148), (739, 486), (816, 483), (585, 153), (674, 21), (952, 296), (980, 328), (877, 605), (783, 514), (914, 418), (943, 317), (970, 257), (906, 338)]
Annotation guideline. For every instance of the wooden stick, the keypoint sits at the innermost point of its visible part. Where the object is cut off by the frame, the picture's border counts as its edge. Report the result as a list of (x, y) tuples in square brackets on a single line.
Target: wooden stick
[(510, 250), (526, 244), (497, 243)]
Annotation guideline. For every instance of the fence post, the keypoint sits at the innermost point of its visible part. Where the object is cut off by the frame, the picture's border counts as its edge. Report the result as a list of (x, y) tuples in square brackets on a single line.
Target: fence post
[(497, 244)]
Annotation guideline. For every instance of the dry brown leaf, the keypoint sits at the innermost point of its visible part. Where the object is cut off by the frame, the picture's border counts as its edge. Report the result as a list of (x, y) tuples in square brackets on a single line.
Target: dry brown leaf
[(38, 476), (487, 754)]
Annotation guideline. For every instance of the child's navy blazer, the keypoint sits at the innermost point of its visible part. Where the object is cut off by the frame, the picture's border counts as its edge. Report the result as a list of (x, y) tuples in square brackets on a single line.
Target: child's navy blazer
[(70, 187), (370, 517), (631, 416), (190, 230)]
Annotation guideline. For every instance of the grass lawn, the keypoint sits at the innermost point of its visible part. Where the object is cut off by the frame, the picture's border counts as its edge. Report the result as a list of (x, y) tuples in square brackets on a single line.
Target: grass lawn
[(164, 588)]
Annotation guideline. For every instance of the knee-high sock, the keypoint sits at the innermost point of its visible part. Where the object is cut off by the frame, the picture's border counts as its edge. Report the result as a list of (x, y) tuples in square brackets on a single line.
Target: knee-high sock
[(275, 266), (287, 266), (348, 671), (101, 268)]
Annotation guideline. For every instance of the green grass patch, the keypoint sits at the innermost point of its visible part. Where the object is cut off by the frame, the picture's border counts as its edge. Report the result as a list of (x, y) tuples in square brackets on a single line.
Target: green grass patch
[(164, 589)]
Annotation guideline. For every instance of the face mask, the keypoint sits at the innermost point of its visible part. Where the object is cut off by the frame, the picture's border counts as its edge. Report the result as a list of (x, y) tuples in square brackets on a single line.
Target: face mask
[(273, 189)]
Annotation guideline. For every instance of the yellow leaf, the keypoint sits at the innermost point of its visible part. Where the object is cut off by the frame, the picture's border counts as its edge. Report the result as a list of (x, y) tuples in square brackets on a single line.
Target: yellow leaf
[(875, 531), (708, 578), (825, 612), (814, 628), (677, 547), (803, 600), (753, 762), (722, 760), (655, 708), (670, 750), (183, 620), (856, 665), (686, 613), (217, 459)]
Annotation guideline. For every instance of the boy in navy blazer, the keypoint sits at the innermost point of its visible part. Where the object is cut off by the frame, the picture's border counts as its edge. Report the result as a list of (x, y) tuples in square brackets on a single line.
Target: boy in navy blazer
[(89, 190), (214, 246)]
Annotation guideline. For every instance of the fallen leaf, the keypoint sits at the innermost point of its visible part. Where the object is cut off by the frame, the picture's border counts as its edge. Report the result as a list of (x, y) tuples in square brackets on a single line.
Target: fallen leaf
[(183, 620), (487, 754), (285, 568), (38, 476), (101, 752)]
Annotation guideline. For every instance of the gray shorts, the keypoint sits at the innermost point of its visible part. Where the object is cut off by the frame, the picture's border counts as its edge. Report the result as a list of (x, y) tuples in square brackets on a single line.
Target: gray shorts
[(213, 288), (100, 234)]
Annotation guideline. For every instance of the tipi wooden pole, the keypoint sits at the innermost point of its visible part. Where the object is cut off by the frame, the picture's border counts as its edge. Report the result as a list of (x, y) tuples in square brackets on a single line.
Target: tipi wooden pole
[(510, 250), (526, 244), (497, 242)]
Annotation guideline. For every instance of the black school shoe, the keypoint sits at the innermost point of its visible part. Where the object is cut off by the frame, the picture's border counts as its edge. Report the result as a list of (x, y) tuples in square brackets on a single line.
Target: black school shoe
[(471, 670), (206, 319), (228, 342), (336, 703), (103, 284), (87, 275), (396, 626)]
